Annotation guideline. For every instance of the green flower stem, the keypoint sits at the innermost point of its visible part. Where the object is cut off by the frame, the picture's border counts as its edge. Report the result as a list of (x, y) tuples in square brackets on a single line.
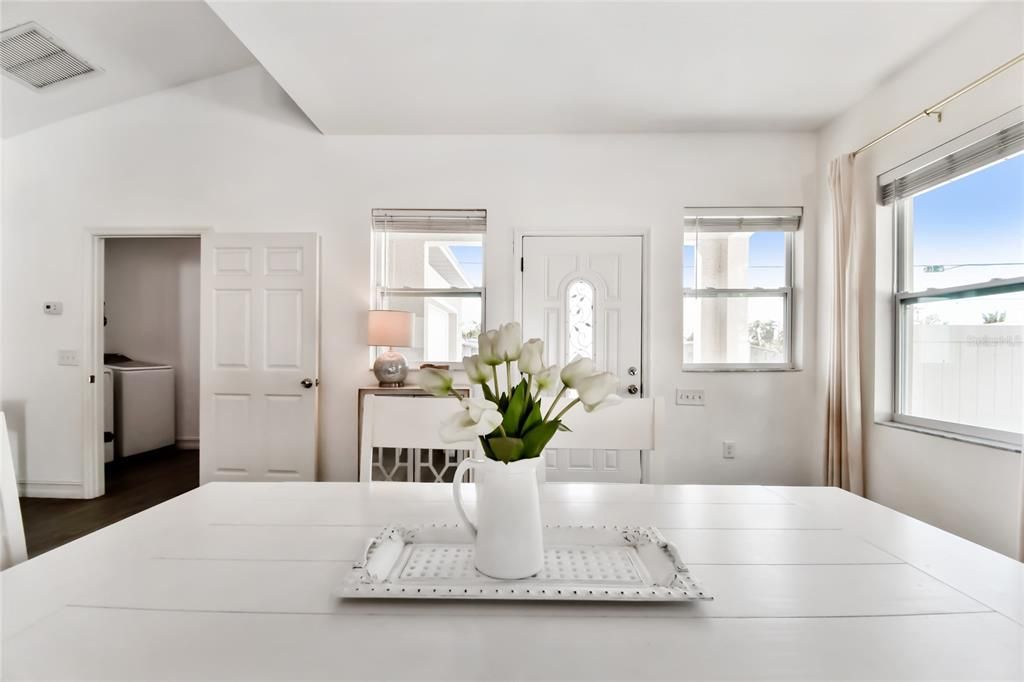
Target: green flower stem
[(555, 402), (508, 375), (567, 408), (497, 387), (502, 429), (529, 383)]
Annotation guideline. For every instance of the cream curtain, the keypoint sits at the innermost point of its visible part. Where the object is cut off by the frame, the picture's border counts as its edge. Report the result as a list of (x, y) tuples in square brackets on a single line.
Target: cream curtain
[(844, 463)]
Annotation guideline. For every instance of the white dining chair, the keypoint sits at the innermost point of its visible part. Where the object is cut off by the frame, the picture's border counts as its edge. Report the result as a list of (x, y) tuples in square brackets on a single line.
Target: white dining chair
[(629, 425), (12, 542), (404, 422)]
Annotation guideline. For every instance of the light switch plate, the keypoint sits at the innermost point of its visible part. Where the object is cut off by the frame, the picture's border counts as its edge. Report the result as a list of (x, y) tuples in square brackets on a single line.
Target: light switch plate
[(53, 307), (690, 396), (67, 357), (729, 449)]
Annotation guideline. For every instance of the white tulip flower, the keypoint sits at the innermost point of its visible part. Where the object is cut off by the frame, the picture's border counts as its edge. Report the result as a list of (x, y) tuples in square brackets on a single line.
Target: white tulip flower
[(595, 389), (476, 407), (462, 427), (546, 379), (510, 342), (613, 399), (576, 370), (531, 359), (436, 382), (476, 369), (487, 345)]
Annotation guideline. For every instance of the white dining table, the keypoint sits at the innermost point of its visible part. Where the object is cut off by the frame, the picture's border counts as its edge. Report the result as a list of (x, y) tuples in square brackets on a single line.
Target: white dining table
[(238, 581)]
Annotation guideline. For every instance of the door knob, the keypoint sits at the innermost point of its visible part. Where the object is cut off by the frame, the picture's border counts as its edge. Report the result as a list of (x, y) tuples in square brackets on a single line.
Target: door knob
[(632, 389), (307, 383), (631, 371)]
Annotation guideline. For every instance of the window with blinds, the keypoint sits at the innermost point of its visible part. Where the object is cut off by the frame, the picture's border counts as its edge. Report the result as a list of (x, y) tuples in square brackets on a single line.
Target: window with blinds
[(431, 263), (959, 296), (738, 287)]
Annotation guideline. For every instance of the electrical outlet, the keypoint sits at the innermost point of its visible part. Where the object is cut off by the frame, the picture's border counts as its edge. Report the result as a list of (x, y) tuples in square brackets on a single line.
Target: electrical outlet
[(53, 308), (67, 357), (728, 449), (690, 396)]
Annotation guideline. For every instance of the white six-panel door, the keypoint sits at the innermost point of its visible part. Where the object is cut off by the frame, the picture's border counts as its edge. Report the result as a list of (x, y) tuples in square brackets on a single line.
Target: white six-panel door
[(259, 357), (583, 296)]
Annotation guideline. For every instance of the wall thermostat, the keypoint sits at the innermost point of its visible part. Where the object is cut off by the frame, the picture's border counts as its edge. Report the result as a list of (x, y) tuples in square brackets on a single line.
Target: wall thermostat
[(53, 307)]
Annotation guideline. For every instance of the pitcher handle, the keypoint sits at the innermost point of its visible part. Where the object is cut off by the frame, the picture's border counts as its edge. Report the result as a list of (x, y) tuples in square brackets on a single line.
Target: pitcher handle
[(464, 466)]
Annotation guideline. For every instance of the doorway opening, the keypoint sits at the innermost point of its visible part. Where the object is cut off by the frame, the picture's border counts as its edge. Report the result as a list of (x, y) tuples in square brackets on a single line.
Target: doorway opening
[(150, 380)]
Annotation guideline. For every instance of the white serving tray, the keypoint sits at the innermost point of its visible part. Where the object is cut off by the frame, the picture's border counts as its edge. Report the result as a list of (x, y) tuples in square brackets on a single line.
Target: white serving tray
[(589, 563)]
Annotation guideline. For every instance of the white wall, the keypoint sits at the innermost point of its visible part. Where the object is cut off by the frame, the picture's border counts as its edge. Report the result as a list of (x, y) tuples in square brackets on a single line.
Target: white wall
[(971, 490), (234, 153), (152, 310)]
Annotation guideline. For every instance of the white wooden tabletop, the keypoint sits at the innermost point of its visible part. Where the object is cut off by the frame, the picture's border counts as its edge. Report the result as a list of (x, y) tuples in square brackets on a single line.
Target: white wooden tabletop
[(235, 581)]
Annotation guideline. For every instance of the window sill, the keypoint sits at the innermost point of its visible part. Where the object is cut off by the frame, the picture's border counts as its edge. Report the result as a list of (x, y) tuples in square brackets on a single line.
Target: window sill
[(951, 435), (742, 368)]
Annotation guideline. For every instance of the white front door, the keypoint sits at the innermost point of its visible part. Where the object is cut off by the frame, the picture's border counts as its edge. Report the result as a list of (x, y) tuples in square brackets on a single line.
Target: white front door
[(584, 296), (258, 356)]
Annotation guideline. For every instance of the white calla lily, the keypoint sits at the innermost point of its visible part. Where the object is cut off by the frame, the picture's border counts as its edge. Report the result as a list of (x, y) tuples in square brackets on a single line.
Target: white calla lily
[(509, 342), (546, 379), (476, 369), (436, 382), (596, 388), (487, 345), (462, 427), (531, 358), (576, 370)]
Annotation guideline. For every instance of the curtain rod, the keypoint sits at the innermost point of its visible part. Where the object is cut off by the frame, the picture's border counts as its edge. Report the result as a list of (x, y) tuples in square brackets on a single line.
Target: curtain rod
[(936, 109)]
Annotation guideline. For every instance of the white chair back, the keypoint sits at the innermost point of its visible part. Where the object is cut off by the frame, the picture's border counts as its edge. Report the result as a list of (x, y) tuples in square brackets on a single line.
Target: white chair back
[(12, 542), (404, 422), (630, 425)]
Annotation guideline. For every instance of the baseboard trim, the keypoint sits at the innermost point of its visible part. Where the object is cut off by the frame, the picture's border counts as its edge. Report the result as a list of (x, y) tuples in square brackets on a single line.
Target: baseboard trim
[(64, 490), (187, 443)]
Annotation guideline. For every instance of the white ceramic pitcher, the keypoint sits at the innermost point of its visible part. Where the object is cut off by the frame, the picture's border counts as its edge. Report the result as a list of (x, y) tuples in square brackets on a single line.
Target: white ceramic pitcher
[(508, 529)]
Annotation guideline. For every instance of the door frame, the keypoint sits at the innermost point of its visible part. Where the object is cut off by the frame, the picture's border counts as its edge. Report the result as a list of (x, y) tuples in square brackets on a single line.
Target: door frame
[(94, 269)]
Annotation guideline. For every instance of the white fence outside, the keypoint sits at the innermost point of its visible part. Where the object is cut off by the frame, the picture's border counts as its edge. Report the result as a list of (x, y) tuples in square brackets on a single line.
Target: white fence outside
[(970, 374)]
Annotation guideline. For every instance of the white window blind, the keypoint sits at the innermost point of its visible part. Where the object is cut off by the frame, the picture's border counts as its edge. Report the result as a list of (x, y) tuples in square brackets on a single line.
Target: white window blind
[(430, 220), (1006, 142), (759, 219)]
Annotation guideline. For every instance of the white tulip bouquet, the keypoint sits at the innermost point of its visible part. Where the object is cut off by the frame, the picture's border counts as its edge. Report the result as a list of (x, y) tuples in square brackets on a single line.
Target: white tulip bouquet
[(514, 425)]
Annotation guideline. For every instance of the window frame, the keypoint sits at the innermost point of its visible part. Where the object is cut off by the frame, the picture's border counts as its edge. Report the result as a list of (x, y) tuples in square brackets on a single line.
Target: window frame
[(903, 298), (786, 292), (380, 293)]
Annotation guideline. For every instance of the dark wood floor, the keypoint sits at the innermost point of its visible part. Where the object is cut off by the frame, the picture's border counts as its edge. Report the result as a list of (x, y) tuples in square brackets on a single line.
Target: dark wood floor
[(133, 484)]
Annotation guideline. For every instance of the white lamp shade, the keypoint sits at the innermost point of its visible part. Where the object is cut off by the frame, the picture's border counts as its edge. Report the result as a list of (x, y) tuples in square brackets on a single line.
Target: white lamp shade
[(390, 328)]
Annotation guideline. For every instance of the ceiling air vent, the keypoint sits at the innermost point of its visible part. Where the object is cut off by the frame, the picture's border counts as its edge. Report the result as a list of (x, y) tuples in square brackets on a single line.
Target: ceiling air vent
[(34, 57)]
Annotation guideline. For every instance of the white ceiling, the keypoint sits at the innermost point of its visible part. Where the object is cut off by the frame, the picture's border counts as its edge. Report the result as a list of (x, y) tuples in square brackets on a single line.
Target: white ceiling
[(142, 47), (549, 67)]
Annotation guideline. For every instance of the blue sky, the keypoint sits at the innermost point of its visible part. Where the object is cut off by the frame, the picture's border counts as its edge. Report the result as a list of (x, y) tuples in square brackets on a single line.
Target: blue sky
[(978, 218), (767, 261), (471, 261)]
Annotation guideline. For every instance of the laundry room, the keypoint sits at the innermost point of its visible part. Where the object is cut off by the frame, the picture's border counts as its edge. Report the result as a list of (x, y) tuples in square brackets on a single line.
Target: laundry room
[(151, 358)]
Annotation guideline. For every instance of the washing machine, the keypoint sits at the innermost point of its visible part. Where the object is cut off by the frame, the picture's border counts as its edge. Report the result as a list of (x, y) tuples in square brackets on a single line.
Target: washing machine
[(143, 406)]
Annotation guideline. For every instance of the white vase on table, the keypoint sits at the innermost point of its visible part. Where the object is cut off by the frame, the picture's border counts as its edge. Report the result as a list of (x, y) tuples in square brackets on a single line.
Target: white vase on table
[(508, 529)]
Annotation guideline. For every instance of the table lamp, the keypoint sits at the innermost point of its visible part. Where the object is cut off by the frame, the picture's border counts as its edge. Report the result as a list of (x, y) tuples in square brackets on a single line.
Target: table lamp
[(390, 328)]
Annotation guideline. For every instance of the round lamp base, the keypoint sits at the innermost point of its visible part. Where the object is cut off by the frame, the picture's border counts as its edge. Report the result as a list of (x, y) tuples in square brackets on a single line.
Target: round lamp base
[(391, 369)]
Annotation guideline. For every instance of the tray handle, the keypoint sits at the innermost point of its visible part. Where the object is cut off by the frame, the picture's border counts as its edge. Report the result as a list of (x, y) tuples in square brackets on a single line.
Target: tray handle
[(464, 466)]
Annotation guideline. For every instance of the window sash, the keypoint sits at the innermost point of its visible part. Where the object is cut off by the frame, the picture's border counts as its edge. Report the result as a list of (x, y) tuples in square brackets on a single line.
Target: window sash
[(786, 293), (903, 299), (901, 393)]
